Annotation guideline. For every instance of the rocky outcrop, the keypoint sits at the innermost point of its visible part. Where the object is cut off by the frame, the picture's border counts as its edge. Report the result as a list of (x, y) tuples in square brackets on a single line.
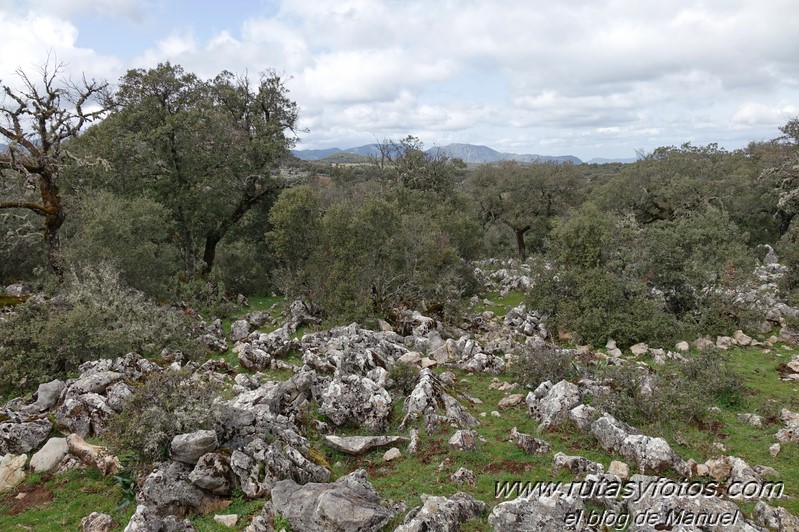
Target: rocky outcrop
[(356, 401), (188, 448), (12, 471), (260, 465), (442, 513), (429, 397), (349, 504), (23, 437), (553, 408), (358, 445), (537, 512)]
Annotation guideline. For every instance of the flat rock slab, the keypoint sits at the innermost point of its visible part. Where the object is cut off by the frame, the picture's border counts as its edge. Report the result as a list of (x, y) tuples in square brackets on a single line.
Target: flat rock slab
[(357, 445)]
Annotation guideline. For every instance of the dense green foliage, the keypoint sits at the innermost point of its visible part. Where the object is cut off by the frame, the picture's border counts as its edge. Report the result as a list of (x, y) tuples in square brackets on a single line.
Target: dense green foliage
[(97, 316), (186, 187)]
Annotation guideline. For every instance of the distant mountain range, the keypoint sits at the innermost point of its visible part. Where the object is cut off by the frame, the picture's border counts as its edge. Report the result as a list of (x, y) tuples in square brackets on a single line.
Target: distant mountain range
[(469, 153)]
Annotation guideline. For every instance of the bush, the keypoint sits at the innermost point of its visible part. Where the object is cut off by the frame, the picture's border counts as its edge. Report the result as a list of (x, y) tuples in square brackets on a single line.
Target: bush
[(533, 365), (405, 377), (167, 404), (98, 317), (674, 393)]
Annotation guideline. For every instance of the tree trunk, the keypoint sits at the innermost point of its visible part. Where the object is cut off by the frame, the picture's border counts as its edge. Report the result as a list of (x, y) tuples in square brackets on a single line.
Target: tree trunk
[(209, 254), (520, 242)]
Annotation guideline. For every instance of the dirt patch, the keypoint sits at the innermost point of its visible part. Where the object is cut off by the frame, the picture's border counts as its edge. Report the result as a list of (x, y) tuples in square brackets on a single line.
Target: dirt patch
[(508, 466), (36, 497), (434, 448)]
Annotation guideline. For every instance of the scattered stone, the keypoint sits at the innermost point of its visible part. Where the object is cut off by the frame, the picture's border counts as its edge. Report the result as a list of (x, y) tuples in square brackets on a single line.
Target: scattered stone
[(355, 400), (97, 522), (442, 513), (348, 504), (413, 446), (529, 444), (49, 456), (774, 450), (583, 415), (46, 397), (168, 490), (392, 454), (23, 437), (648, 453), (357, 445), (553, 408), (228, 520), (619, 469), (511, 400), (188, 448), (147, 519), (683, 346), (752, 419), (239, 330), (774, 517), (576, 464), (639, 349), (464, 476), (213, 473), (741, 338), (464, 440), (611, 432), (537, 512), (12, 471), (725, 342)]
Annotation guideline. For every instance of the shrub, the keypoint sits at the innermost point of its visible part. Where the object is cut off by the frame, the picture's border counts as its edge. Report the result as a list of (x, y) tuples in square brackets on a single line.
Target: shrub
[(167, 404), (533, 365), (681, 392), (405, 377), (97, 317)]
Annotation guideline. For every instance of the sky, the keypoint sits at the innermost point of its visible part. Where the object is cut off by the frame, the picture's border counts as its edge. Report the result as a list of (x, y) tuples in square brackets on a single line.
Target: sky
[(590, 78)]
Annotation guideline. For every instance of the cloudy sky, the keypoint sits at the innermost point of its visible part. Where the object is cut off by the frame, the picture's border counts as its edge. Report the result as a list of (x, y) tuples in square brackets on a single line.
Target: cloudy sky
[(591, 78)]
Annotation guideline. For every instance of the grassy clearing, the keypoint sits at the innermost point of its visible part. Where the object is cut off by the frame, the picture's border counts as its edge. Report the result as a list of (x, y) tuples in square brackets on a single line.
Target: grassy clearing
[(500, 304), (59, 502)]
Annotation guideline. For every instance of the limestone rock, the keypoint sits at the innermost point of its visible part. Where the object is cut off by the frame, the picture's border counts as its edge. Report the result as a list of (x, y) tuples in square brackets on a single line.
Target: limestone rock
[(553, 409), (611, 432), (97, 522), (188, 448), (146, 519), (464, 440), (357, 401), (529, 444), (576, 464), (357, 445), (537, 512), (259, 466), (50, 455), (442, 513), (349, 504), (213, 473), (169, 491), (392, 454), (649, 454), (23, 437), (464, 476), (46, 397), (12, 471), (239, 330)]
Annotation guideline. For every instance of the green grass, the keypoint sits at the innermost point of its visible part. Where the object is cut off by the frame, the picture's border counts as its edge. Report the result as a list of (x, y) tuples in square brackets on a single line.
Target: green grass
[(500, 304), (63, 501), (77, 494)]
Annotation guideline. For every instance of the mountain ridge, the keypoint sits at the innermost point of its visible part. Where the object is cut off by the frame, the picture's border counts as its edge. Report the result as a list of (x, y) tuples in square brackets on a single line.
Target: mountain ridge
[(470, 153)]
